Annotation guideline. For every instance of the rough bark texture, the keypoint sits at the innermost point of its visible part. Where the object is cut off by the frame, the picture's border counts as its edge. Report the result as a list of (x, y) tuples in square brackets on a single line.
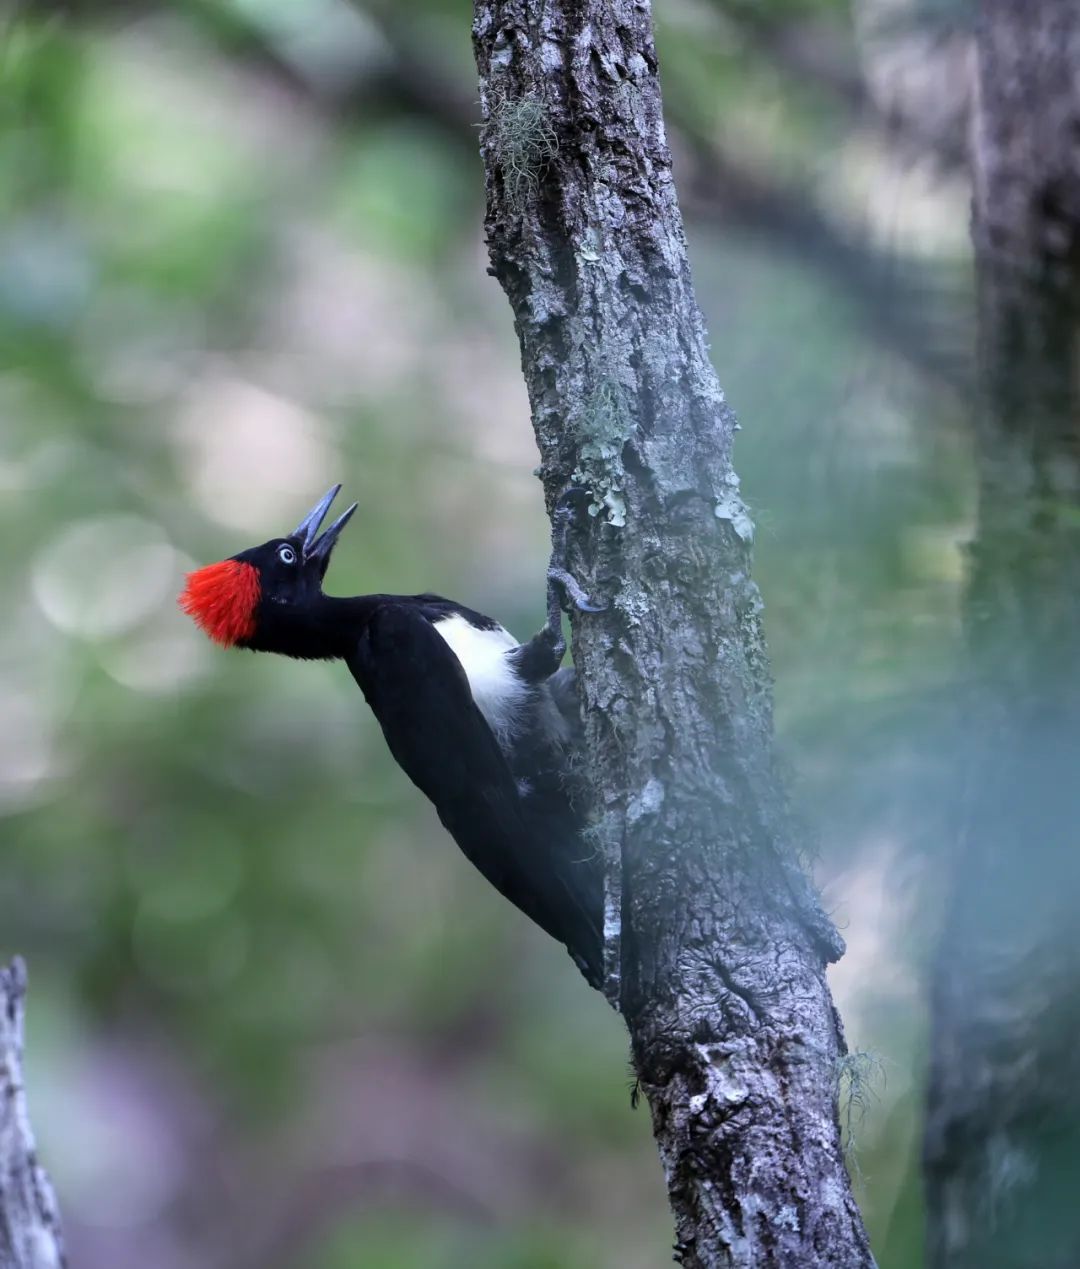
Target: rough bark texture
[(1002, 1150), (720, 967), (30, 1235)]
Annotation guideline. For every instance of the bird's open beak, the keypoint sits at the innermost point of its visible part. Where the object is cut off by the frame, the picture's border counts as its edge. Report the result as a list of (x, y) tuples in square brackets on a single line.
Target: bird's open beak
[(312, 545)]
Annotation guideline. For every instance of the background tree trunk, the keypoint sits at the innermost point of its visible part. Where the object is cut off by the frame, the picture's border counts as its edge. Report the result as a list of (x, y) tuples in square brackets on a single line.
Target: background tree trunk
[(30, 1236), (717, 945), (1002, 1153)]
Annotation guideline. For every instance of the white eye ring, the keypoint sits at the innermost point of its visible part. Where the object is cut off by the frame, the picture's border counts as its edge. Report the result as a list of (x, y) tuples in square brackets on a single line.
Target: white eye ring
[(286, 554)]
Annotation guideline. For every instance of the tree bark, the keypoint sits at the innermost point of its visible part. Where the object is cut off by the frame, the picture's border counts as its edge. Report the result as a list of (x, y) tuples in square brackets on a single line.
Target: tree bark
[(717, 945), (30, 1236), (1002, 1150)]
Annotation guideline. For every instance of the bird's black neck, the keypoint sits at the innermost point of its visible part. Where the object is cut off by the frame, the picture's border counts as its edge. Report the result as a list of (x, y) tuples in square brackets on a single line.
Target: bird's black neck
[(325, 628)]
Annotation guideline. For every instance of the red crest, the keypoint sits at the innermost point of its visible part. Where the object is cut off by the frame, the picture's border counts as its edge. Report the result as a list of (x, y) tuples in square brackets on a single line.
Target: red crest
[(222, 599)]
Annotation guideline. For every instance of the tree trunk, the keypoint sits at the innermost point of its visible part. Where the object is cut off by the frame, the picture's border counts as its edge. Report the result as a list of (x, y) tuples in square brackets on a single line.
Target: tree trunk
[(717, 945), (30, 1235), (1002, 1152)]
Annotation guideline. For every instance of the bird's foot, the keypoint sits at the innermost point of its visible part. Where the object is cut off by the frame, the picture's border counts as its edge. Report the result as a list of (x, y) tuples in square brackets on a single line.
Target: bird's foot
[(541, 656), (563, 588), (559, 580)]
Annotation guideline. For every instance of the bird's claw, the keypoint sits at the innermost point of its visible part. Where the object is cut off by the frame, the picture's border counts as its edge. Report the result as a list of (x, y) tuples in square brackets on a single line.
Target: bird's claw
[(561, 582), (572, 590), (541, 656)]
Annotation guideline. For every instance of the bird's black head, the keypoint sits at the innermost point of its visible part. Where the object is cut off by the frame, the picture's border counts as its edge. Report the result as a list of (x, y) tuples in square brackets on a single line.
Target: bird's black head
[(269, 597)]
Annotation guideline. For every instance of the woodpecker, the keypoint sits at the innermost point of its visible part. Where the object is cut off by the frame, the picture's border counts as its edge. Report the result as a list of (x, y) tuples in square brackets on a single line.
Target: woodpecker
[(483, 725)]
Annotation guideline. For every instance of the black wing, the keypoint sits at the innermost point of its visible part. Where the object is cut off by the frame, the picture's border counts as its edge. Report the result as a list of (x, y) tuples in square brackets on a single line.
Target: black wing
[(419, 692)]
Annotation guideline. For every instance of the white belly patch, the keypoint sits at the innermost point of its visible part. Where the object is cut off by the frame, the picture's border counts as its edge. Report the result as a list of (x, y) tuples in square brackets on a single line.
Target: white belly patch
[(498, 692)]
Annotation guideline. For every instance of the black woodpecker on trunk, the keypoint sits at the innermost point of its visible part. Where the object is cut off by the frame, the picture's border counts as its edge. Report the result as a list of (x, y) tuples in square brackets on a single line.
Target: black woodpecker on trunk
[(484, 726)]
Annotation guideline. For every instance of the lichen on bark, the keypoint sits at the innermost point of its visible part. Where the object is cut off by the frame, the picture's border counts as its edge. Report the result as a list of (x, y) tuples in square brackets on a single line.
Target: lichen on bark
[(717, 952)]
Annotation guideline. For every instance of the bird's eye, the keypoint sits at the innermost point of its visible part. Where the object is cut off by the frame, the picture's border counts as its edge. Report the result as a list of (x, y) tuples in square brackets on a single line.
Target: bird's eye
[(286, 554)]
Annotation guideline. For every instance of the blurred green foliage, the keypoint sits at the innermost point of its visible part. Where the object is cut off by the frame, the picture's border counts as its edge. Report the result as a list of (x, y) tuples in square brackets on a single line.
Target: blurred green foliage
[(240, 258)]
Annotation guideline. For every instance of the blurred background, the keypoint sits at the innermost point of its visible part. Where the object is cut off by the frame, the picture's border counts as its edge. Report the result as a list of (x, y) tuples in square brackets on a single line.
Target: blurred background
[(275, 1019)]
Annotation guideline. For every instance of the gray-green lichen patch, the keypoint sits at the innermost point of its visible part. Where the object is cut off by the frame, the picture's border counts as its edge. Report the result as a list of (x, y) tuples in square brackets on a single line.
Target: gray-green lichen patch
[(603, 425), (590, 248), (726, 1087), (632, 601), (522, 141), (613, 504), (729, 506), (647, 803), (606, 496)]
